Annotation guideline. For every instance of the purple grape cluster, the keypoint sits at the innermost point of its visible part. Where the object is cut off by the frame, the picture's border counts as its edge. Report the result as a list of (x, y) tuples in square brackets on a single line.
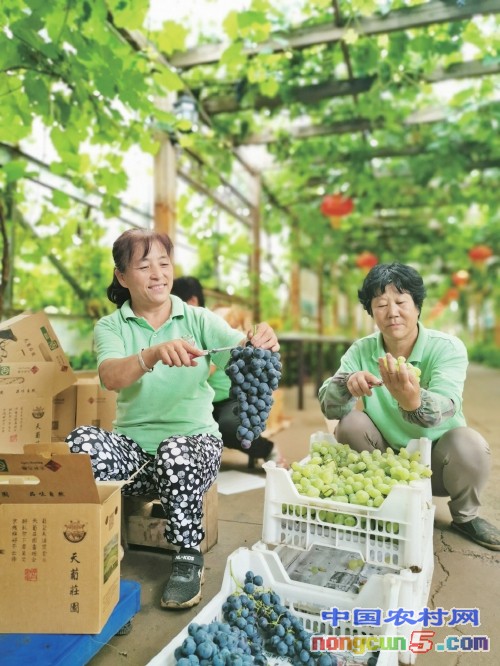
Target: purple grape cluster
[(254, 374), (255, 624)]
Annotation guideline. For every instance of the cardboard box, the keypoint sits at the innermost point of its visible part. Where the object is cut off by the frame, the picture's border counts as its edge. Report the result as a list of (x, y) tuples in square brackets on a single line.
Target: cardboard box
[(95, 406), (25, 404), (144, 522), (24, 420), (30, 337), (59, 543), (63, 413)]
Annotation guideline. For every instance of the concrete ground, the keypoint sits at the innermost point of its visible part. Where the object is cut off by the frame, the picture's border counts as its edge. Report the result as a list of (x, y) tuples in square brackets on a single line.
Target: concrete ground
[(465, 575)]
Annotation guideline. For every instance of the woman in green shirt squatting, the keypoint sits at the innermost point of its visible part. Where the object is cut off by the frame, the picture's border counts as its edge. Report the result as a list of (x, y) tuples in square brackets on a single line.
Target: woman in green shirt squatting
[(150, 350), (400, 404)]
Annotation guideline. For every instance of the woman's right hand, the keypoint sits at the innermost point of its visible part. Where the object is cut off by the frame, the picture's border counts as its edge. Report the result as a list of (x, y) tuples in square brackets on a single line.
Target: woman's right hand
[(177, 353), (360, 383)]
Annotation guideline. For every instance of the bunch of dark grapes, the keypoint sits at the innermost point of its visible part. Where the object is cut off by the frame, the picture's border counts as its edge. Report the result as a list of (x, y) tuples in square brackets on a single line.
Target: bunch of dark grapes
[(215, 644), (254, 623), (254, 374)]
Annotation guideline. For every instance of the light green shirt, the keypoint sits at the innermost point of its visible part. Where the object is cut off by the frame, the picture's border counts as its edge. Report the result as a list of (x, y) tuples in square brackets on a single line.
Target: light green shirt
[(168, 401), (442, 359), (221, 384)]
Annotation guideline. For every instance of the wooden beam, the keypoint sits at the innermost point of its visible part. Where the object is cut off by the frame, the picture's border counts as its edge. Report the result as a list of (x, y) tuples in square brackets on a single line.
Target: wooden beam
[(313, 94), (305, 95), (352, 126), (463, 70), (420, 16), (471, 165)]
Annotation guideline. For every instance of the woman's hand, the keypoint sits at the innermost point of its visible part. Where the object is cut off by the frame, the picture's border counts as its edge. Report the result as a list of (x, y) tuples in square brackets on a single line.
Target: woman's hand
[(401, 383), (177, 353), (360, 383), (264, 336)]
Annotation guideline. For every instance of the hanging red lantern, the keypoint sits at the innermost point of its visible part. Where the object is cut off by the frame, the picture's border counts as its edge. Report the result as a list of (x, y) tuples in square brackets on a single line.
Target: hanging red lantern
[(437, 310), (460, 278), (366, 260), (480, 253), (335, 207)]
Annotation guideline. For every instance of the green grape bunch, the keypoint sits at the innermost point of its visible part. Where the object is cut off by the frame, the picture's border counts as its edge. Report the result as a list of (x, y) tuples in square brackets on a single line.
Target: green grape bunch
[(400, 361), (335, 471)]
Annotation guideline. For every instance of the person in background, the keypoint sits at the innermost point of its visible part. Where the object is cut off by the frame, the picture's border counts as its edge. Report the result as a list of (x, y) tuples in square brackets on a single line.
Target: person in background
[(399, 406), (151, 351), (226, 408)]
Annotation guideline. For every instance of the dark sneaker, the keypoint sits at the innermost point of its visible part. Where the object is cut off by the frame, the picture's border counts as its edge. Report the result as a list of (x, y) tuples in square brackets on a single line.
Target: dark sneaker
[(480, 531), (183, 589)]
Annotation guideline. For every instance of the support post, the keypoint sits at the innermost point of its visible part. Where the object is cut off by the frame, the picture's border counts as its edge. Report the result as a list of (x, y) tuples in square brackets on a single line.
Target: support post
[(256, 248), (165, 181)]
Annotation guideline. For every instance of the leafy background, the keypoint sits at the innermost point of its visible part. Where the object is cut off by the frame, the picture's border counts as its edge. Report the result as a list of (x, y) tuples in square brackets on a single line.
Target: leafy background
[(361, 116)]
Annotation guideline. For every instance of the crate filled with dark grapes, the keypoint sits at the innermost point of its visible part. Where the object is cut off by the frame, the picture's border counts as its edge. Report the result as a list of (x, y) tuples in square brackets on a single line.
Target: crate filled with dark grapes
[(259, 617)]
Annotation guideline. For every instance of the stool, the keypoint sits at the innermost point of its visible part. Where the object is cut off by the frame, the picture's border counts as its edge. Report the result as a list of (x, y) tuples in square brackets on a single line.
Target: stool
[(143, 521)]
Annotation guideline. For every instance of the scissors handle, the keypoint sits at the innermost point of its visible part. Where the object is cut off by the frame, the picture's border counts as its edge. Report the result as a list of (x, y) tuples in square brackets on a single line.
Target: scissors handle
[(216, 350)]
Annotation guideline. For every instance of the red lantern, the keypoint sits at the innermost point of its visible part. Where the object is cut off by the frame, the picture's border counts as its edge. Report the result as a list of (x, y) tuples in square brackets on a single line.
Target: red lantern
[(460, 278), (437, 310), (335, 207), (480, 253), (366, 261)]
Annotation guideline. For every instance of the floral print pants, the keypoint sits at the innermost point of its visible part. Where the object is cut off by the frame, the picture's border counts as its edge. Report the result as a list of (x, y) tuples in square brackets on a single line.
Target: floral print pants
[(180, 473)]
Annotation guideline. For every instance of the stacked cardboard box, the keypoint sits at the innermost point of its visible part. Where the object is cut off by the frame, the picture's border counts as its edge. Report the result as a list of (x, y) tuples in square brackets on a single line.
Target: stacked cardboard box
[(33, 368), (59, 530), (84, 403), (59, 543)]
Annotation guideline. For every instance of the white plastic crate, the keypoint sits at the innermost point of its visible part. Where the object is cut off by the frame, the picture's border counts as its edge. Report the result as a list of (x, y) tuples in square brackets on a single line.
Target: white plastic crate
[(396, 533), (302, 600), (403, 588)]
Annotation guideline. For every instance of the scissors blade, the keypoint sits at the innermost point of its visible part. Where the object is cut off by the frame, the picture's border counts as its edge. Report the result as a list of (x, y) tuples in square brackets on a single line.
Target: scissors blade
[(216, 350)]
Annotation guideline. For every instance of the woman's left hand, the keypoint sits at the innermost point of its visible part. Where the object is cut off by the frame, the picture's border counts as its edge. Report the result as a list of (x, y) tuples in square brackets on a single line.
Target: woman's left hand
[(401, 383), (264, 336)]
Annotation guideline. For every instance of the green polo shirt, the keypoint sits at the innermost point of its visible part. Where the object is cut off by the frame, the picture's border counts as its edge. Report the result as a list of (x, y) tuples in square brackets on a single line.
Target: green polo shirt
[(221, 384), (168, 401), (442, 359)]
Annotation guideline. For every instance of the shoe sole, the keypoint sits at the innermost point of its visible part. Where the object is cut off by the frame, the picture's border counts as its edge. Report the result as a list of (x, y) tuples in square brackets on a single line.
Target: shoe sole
[(190, 602), (490, 546)]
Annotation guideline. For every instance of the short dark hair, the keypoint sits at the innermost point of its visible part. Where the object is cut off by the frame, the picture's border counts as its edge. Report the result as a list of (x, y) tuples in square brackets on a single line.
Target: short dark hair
[(186, 287), (405, 278), (123, 251)]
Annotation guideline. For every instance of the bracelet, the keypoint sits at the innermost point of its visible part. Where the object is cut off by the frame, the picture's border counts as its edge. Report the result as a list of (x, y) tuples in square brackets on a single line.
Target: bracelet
[(144, 367)]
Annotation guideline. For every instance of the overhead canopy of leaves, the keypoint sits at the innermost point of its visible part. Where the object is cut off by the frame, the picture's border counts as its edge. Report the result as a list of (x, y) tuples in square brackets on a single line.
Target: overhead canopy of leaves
[(395, 104)]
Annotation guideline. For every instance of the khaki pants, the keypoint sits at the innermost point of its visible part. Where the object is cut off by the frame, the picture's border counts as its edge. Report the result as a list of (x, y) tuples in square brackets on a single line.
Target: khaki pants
[(460, 461)]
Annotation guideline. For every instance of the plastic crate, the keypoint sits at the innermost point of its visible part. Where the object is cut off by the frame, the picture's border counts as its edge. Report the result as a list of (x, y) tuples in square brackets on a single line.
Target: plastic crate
[(402, 588), (302, 600), (396, 533)]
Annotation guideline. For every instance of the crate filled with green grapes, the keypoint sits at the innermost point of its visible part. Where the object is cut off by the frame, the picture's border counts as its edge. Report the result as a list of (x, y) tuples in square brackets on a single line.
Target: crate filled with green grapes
[(379, 504)]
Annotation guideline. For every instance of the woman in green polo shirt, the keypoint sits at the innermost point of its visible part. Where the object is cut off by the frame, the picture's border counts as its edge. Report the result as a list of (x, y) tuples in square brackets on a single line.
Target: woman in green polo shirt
[(150, 350), (400, 403)]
